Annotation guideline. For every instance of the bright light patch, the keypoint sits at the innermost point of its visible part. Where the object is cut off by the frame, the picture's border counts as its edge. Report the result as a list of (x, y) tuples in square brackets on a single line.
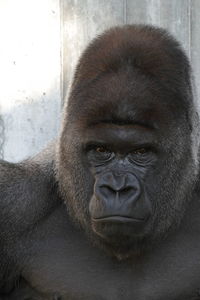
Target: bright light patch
[(29, 50)]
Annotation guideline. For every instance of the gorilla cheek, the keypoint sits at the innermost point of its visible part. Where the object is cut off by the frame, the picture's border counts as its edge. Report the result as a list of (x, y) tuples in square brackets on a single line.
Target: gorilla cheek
[(119, 205)]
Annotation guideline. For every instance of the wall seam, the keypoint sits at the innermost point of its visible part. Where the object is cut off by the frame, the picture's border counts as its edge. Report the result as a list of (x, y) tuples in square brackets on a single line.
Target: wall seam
[(125, 12), (62, 92), (190, 29)]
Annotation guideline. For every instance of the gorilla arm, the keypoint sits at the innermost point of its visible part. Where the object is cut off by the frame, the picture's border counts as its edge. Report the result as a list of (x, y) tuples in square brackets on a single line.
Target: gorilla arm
[(27, 195)]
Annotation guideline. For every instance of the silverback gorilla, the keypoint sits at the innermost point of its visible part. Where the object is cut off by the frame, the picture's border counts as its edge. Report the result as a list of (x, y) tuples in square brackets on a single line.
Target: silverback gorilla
[(111, 211)]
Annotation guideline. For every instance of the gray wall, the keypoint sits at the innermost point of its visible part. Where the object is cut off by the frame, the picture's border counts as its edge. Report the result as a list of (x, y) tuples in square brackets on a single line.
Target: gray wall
[(27, 124), (30, 67)]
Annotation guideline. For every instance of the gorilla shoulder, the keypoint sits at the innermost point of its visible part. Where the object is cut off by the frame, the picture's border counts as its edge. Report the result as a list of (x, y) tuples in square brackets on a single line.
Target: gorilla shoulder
[(21, 185)]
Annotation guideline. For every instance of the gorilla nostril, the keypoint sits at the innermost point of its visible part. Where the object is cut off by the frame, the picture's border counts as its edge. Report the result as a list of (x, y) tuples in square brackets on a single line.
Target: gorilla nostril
[(126, 190), (107, 191)]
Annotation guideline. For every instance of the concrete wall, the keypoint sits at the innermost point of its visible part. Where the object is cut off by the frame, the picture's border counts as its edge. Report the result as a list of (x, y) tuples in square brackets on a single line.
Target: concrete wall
[(33, 77), (30, 101)]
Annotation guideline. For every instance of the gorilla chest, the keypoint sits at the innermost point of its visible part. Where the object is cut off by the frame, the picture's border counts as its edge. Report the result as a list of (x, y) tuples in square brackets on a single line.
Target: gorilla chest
[(78, 272)]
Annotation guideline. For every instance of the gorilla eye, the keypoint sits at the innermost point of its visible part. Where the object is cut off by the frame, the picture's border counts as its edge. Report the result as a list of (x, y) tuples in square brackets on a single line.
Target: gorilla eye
[(99, 154), (141, 155), (101, 149), (140, 151), (102, 152)]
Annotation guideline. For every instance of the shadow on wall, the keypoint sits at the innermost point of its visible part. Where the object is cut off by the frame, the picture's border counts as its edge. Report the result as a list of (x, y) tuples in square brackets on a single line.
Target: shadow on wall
[(26, 127)]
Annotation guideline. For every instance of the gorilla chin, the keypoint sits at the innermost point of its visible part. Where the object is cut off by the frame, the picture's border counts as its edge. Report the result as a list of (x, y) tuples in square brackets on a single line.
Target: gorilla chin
[(121, 236), (123, 240)]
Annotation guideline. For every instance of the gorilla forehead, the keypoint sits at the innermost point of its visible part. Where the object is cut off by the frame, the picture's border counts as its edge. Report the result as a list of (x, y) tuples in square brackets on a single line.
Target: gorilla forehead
[(125, 97)]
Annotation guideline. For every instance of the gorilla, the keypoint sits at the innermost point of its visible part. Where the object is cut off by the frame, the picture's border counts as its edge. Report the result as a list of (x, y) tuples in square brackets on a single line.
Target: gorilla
[(111, 209)]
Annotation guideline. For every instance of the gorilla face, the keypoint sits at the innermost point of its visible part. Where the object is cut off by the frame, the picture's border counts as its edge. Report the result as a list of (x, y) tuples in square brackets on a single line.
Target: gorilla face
[(126, 161), (119, 205)]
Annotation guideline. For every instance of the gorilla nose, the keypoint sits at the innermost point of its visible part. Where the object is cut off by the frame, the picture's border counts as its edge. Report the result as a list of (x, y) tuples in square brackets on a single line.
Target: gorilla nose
[(119, 194), (120, 187)]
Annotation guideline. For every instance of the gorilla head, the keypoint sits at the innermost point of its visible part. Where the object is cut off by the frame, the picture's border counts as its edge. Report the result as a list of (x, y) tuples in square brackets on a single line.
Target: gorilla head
[(128, 154)]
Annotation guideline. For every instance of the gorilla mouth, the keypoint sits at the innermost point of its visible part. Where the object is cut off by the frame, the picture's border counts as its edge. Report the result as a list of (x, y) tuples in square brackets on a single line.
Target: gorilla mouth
[(118, 219), (115, 228)]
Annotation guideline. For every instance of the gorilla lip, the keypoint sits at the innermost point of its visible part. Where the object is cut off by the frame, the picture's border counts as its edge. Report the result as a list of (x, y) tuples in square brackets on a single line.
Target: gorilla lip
[(118, 219)]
